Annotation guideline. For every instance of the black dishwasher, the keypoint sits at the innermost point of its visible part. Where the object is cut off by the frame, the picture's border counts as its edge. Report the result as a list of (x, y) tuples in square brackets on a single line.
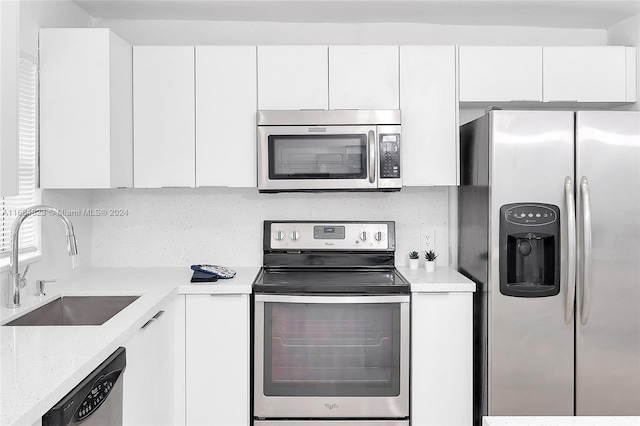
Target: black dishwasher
[(97, 400)]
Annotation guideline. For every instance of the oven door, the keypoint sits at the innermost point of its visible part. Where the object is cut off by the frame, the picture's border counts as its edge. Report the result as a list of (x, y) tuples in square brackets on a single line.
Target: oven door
[(316, 157), (331, 356)]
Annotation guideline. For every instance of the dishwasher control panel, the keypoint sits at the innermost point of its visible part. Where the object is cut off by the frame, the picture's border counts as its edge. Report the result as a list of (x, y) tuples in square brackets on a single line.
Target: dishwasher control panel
[(97, 395)]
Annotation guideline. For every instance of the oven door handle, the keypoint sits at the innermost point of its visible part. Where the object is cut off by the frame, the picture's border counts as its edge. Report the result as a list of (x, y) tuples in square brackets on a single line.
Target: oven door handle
[(341, 299)]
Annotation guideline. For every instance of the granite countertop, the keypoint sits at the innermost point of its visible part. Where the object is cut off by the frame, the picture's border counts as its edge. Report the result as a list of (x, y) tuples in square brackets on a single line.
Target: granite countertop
[(40, 365)]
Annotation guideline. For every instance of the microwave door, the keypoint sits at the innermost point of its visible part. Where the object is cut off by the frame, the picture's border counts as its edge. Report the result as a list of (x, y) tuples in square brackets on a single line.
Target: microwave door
[(294, 158)]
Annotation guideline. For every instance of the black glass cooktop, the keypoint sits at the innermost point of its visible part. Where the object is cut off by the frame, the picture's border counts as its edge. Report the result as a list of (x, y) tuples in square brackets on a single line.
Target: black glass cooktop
[(323, 281)]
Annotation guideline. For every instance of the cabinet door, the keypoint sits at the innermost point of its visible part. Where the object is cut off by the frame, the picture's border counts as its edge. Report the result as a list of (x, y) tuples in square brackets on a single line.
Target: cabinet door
[(148, 397), (163, 116), (363, 77), (292, 77), (9, 52), (500, 73), (226, 116), (587, 74), (429, 115), (179, 393), (217, 360), (442, 353), (85, 109)]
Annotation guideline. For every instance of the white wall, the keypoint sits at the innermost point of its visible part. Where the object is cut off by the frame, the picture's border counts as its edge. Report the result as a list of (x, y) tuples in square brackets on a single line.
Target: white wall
[(35, 14), (627, 33), (177, 32)]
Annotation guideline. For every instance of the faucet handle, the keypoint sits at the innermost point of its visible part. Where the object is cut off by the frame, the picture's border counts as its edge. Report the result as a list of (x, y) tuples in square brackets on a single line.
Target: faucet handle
[(23, 279), (40, 286)]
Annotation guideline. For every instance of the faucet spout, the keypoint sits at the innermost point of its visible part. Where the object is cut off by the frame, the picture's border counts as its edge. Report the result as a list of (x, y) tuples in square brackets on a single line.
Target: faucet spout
[(14, 275)]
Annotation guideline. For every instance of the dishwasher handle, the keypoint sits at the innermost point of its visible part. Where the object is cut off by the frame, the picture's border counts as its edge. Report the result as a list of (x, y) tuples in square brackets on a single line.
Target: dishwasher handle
[(90, 394)]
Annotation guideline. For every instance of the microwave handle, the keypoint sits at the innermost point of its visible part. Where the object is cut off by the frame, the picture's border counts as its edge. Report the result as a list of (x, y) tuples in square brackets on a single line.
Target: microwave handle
[(371, 141)]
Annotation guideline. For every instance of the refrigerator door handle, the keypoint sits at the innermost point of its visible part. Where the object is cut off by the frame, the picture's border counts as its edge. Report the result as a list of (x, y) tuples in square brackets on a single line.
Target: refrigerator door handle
[(586, 250), (571, 252)]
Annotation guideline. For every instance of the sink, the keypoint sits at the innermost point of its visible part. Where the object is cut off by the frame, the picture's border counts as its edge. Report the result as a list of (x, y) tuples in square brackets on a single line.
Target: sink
[(75, 310)]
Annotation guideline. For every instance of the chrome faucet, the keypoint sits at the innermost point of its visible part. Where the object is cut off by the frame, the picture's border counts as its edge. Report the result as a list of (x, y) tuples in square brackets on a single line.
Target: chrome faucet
[(14, 275)]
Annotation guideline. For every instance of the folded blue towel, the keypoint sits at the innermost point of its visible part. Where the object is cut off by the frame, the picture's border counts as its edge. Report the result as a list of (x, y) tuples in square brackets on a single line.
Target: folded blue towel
[(203, 277), (215, 270)]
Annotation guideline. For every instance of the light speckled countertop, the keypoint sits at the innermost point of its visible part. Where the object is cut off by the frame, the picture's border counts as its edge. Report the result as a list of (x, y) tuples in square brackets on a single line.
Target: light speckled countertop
[(40, 365), (443, 279), (560, 421)]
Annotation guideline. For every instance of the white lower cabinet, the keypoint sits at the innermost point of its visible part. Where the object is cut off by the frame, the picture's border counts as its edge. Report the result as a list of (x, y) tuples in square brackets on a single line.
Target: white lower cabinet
[(148, 397), (217, 359), (442, 359)]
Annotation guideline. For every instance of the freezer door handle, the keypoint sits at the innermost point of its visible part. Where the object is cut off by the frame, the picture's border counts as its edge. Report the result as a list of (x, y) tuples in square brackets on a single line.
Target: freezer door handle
[(586, 250), (571, 248)]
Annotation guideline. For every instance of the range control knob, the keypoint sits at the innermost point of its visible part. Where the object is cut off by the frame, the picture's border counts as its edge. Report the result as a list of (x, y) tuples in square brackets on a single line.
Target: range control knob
[(364, 236), (378, 236), (279, 235), (295, 236)]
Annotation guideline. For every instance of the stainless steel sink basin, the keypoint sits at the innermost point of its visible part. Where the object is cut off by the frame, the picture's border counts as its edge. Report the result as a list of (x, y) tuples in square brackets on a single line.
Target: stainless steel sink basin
[(75, 310)]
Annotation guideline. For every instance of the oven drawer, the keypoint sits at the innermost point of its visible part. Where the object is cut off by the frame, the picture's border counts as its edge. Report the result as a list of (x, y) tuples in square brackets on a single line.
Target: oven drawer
[(331, 357)]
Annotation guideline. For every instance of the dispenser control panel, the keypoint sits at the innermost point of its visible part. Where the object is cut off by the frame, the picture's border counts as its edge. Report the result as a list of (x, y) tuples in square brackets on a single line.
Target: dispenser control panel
[(530, 215), (530, 250)]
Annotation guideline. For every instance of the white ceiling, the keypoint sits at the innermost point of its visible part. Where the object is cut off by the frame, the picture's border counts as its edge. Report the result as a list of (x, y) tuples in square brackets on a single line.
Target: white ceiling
[(594, 14)]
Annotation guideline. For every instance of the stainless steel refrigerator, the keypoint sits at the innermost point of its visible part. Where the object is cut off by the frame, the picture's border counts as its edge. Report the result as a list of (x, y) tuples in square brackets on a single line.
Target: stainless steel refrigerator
[(549, 229)]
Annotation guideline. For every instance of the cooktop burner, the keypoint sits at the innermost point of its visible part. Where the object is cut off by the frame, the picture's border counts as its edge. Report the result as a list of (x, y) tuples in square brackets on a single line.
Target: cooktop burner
[(293, 281), (325, 257)]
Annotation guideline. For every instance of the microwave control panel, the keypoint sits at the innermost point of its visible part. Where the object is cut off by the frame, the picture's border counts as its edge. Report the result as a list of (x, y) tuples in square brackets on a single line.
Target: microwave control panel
[(390, 156)]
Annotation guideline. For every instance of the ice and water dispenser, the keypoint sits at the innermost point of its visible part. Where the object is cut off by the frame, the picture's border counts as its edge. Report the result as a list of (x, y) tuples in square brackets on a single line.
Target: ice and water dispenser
[(529, 250)]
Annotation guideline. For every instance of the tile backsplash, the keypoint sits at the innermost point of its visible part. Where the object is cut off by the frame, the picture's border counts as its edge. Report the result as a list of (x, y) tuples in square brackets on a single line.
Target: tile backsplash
[(179, 227)]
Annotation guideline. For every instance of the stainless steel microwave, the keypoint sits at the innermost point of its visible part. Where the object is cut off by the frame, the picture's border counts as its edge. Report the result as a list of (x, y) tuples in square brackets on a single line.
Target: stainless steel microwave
[(325, 150)]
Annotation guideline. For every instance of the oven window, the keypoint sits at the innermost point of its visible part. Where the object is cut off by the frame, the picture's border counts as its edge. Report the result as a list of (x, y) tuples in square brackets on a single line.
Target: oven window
[(332, 349), (317, 157)]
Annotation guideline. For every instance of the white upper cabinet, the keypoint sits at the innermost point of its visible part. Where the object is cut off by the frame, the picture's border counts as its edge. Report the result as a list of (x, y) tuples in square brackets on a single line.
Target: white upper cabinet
[(85, 109), (574, 74), (164, 116), (363, 77), (292, 77), (589, 74), (500, 73), (429, 115), (9, 52), (226, 116)]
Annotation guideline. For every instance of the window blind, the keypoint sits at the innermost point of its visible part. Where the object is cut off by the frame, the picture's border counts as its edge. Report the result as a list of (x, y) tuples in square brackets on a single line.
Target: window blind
[(27, 163)]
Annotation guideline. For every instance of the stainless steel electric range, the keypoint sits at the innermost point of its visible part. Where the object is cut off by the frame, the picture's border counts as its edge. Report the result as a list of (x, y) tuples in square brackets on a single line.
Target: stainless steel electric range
[(331, 317)]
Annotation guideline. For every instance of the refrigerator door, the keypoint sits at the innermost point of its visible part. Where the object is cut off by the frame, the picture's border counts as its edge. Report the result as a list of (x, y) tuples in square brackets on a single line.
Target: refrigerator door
[(531, 347), (608, 299)]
